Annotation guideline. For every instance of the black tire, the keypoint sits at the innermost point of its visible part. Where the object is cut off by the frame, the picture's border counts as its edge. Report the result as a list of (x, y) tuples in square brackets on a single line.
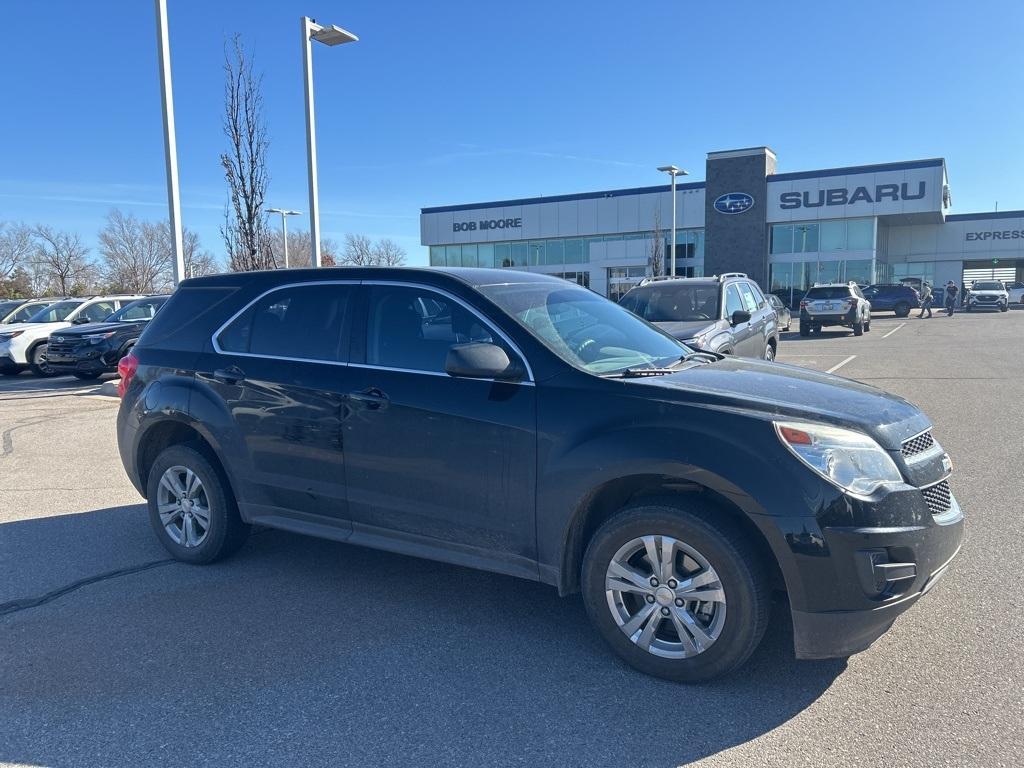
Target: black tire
[(1004, 308), (726, 548), (37, 362), (86, 376), (970, 308), (867, 326), (226, 533), (858, 328), (902, 309), (805, 329), (769, 352)]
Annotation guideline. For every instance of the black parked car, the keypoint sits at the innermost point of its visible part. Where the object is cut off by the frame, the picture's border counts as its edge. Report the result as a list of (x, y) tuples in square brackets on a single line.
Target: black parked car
[(88, 351), (726, 314), (516, 423), (897, 298)]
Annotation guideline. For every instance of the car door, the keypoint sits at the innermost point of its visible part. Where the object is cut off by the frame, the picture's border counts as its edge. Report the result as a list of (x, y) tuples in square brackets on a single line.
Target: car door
[(435, 460), (279, 369)]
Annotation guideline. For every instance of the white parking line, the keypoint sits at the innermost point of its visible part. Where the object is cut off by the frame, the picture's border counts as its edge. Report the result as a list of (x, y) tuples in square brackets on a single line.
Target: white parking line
[(836, 367), (890, 333)]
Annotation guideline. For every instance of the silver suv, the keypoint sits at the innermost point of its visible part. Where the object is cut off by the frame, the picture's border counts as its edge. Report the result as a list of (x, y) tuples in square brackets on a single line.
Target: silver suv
[(835, 304)]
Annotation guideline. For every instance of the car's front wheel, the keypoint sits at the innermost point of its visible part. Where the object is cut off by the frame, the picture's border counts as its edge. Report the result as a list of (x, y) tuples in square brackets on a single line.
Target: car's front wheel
[(38, 363), (191, 507), (769, 352), (678, 594)]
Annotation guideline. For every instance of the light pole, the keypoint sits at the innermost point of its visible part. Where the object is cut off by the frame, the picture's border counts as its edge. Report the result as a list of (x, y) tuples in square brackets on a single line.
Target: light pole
[(170, 142), (328, 35), (673, 171), (284, 227)]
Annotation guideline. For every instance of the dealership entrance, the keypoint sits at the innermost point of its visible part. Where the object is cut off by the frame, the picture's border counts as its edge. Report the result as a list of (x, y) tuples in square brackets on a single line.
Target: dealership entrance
[(1007, 270)]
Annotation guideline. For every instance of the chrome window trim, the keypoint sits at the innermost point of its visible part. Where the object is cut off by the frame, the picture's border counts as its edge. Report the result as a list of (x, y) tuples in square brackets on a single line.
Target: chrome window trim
[(472, 310), (370, 367), (400, 283)]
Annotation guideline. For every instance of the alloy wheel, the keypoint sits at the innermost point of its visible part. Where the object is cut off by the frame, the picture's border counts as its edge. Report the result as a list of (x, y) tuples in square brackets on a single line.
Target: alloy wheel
[(665, 597), (183, 506)]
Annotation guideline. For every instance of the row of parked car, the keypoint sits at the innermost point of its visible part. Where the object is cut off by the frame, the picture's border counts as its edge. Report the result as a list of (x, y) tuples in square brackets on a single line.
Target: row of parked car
[(84, 337)]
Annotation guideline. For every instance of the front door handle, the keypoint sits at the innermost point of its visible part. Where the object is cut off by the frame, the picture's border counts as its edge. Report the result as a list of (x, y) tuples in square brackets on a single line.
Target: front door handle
[(230, 375), (372, 398)]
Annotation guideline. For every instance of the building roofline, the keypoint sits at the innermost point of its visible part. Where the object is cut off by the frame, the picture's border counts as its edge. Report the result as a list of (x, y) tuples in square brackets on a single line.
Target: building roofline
[(985, 215), (564, 198), (851, 170)]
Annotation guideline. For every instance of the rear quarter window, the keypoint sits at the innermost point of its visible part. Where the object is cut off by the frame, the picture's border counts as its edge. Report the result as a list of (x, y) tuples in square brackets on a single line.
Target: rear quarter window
[(189, 318)]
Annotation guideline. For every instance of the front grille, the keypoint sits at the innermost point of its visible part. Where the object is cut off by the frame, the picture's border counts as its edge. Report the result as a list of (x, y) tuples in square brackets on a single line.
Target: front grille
[(58, 346), (989, 299), (938, 497), (919, 444)]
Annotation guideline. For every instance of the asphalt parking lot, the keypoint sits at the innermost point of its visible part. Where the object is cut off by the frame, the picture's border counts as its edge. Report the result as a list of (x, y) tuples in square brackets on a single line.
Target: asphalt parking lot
[(306, 652)]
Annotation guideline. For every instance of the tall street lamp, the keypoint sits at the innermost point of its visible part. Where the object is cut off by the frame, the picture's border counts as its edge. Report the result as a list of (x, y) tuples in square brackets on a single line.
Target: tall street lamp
[(284, 227), (328, 35), (673, 171), (170, 142)]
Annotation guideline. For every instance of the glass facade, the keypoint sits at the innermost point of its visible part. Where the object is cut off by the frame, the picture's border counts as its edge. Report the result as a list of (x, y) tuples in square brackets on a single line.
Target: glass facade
[(824, 236), (621, 279), (568, 251), (790, 280)]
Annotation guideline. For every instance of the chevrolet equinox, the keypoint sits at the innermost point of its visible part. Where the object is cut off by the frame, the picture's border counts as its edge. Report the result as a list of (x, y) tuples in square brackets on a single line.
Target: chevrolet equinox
[(518, 423)]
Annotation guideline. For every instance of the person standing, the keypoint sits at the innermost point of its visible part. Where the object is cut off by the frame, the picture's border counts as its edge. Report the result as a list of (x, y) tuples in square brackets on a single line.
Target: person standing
[(926, 299), (951, 292)]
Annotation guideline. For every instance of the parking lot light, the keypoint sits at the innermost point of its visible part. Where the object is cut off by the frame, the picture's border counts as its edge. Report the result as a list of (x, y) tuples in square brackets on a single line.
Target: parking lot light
[(673, 171), (328, 35), (284, 227)]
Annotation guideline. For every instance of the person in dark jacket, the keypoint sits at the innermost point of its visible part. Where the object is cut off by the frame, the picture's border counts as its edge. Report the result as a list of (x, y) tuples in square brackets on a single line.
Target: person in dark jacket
[(951, 292)]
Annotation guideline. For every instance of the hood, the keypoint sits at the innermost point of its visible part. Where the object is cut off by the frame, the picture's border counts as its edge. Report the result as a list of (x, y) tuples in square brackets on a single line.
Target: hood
[(46, 327), (688, 329), (88, 328), (987, 293), (795, 393)]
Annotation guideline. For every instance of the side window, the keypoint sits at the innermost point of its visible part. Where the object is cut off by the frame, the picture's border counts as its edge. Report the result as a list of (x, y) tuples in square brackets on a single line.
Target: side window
[(140, 312), (302, 321), (761, 301), (99, 311), (733, 302), (749, 302), (414, 328), (25, 313)]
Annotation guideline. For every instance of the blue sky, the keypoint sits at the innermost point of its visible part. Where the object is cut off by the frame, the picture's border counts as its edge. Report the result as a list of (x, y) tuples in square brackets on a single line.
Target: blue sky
[(449, 102)]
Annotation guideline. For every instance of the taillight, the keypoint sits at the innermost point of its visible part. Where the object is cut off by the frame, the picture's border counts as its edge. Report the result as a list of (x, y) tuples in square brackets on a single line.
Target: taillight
[(126, 368)]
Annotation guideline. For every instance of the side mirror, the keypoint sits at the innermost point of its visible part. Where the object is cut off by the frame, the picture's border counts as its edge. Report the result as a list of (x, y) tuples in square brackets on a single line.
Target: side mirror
[(740, 316), (80, 321), (481, 360)]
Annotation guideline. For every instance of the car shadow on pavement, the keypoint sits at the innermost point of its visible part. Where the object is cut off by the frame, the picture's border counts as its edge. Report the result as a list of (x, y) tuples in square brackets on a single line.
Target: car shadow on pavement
[(299, 651)]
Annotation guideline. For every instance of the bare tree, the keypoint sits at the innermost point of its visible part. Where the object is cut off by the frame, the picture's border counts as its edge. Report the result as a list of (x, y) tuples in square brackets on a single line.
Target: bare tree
[(358, 251), (656, 256), (198, 261), (62, 260), (245, 229), (299, 250), (16, 248), (387, 253), (136, 255)]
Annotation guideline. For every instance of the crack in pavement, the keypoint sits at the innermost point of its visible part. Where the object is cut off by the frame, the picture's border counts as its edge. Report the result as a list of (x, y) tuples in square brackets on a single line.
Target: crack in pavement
[(24, 603), (7, 442)]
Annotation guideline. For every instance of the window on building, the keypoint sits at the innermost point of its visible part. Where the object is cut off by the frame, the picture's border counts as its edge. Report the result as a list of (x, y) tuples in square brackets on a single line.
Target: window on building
[(485, 255), (574, 252), (536, 252), (554, 252), (621, 279), (860, 234), (782, 238), (805, 238), (832, 235), (580, 278), (437, 256), (503, 254), (520, 255), (469, 255)]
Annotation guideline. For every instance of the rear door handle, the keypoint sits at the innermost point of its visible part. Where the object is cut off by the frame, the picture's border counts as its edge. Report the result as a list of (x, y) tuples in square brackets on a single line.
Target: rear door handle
[(230, 375), (373, 399)]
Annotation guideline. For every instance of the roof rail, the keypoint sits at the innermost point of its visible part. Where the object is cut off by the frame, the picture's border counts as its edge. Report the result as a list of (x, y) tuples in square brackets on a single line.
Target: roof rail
[(726, 275), (657, 279)]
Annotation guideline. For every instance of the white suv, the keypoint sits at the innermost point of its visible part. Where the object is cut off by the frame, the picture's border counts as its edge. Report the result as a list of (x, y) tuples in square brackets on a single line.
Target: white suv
[(1016, 291), (25, 344), (835, 304), (988, 294)]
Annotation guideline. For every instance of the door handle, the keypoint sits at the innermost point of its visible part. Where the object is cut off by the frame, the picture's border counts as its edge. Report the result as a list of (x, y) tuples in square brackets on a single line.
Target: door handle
[(230, 375), (373, 399)]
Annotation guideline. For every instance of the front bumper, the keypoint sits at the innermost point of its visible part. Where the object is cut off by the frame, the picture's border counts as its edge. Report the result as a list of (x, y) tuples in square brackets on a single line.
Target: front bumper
[(98, 358), (997, 305), (7, 362)]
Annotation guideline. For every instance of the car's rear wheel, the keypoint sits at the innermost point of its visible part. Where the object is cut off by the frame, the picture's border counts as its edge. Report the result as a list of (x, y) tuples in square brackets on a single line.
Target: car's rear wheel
[(678, 594), (37, 362), (902, 309), (191, 507)]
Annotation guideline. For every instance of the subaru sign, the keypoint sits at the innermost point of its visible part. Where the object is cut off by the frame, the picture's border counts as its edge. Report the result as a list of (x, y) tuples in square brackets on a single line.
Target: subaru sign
[(734, 202)]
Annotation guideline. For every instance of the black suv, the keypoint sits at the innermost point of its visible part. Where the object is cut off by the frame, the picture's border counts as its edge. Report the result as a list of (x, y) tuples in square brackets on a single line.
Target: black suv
[(726, 314), (897, 298), (518, 423), (88, 351)]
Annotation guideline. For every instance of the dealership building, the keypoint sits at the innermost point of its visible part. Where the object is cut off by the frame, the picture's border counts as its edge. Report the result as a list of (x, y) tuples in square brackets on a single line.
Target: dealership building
[(868, 223)]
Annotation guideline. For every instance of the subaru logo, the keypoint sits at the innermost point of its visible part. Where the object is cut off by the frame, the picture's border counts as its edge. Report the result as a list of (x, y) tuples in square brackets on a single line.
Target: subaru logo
[(734, 202)]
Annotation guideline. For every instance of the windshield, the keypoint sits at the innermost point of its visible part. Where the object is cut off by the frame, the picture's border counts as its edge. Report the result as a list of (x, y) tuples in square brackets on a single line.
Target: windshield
[(140, 310), (584, 329), (987, 286), (678, 303), (55, 313)]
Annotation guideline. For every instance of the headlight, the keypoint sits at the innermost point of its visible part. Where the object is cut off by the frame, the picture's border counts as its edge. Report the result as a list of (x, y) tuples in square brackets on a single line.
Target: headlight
[(848, 459), (96, 338), (10, 335)]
